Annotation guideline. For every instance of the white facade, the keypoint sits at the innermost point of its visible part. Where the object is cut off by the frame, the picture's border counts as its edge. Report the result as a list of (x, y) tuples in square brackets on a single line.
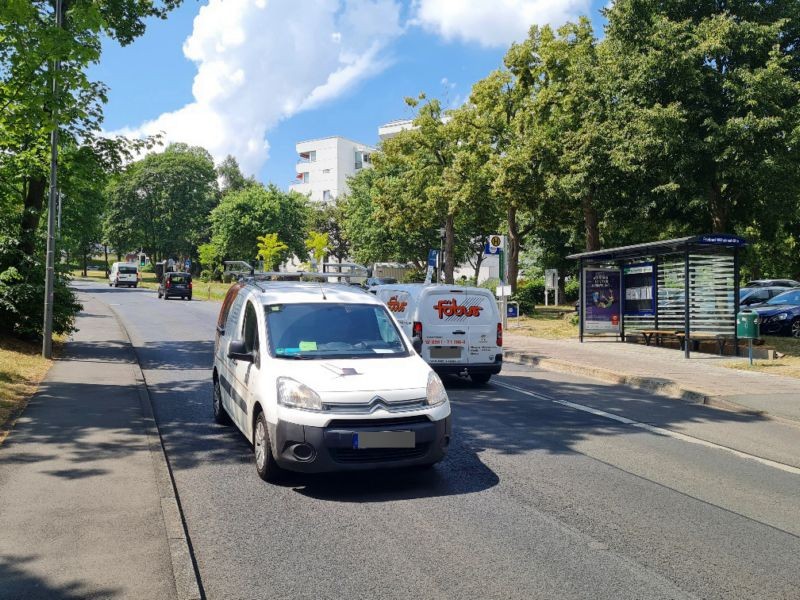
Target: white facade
[(392, 128), (325, 164)]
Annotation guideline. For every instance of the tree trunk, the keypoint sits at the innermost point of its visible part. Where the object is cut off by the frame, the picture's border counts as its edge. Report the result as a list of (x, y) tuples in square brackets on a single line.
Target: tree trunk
[(590, 222), (105, 253), (449, 248), (85, 264), (718, 208), (478, 263), (513, 248), (31, 213)]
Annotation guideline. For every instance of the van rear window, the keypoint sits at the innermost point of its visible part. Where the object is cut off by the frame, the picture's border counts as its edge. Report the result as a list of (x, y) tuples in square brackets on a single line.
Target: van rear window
[(128, 270)]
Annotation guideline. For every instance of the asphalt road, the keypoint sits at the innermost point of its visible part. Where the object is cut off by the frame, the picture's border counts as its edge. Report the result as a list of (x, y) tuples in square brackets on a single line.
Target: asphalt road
[(536, 498)]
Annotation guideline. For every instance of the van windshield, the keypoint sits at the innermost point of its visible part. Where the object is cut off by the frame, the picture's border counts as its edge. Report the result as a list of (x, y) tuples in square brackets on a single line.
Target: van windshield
[(316, 330)]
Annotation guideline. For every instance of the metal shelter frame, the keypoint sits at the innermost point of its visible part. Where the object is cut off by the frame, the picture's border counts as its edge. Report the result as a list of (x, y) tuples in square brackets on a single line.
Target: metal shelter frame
[(715, 245)]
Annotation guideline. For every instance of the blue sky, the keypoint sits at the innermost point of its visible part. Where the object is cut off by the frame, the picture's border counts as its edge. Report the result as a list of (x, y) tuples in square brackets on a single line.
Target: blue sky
[(265, 76)]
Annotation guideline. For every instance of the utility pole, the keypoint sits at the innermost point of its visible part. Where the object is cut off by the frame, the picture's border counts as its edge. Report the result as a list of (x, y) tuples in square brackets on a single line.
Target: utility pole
[(47, 335)]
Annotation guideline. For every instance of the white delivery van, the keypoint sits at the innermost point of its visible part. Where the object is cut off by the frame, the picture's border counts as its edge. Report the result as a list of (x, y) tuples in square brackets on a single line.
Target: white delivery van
[(460, 327), (320, 377), (123, 274)]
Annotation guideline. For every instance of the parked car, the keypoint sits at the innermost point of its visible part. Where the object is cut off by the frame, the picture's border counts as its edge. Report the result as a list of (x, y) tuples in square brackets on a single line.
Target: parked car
[(324, 379), (175, 285), (789, 283), (371, 282), (758, 295), (781, 315), (460, 327), (126, 274)]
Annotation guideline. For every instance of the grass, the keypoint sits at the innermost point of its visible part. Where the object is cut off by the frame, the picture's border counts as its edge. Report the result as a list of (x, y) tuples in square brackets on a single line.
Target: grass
[(21, 369), (214, 290), (788, 365), (552, 323)]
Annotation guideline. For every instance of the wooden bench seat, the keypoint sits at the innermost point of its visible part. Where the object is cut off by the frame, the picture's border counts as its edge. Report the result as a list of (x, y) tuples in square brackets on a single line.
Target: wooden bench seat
[(648, 334), (721, 339)]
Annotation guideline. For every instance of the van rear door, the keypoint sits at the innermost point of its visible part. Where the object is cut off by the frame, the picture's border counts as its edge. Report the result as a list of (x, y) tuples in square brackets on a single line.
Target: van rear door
[(458, 327)]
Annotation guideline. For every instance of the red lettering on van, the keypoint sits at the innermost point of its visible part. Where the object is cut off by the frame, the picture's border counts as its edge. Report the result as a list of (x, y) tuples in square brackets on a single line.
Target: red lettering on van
[(451, 308), (396, 305)]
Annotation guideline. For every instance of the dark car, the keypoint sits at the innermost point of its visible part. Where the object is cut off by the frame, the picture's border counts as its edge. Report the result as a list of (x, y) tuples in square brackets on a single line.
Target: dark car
[(781, 315), (789, 283), (174, 285), (750, 296)]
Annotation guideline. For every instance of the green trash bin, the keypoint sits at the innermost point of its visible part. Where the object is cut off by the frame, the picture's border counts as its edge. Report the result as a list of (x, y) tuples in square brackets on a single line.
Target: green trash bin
[(747, 325)]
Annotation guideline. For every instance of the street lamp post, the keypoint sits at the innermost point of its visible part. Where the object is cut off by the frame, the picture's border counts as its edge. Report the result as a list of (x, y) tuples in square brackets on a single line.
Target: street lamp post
[(47, 330)]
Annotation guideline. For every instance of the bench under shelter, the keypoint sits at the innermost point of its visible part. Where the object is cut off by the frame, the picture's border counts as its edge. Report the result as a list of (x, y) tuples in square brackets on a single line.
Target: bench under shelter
[(685, 288)]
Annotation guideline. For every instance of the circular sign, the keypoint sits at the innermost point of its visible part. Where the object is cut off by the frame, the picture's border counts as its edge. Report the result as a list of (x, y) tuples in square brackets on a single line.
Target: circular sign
[(495, 241)]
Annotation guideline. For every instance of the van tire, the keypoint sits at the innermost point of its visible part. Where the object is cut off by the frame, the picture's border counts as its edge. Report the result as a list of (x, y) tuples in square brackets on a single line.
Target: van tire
[(221, 416), (266, 466), (480, 378)]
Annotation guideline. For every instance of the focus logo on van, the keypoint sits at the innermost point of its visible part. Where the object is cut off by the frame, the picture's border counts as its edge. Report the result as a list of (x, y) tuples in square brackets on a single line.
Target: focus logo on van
[(451, 308), (396, 305)]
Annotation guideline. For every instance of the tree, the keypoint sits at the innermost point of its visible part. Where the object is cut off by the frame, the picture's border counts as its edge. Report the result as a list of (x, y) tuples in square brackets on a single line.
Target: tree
[(317, 246), (717, 90), (271, 250), (230, 176), (375, 238), (162, 202), (243, 215), (329, 218)]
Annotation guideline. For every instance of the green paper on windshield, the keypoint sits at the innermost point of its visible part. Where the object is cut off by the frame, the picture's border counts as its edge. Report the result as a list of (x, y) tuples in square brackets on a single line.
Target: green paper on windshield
[(306, 346)]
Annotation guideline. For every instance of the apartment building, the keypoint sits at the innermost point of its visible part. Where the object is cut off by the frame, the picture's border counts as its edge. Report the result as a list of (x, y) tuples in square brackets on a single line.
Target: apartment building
[(325, 164)]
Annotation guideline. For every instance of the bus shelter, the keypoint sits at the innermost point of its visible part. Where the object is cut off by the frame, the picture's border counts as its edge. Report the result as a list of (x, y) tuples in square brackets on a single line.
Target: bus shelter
[(685, 288)]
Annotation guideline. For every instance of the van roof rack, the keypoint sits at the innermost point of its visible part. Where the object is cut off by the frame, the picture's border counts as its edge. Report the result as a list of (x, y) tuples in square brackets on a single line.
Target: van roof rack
[(246, 272)]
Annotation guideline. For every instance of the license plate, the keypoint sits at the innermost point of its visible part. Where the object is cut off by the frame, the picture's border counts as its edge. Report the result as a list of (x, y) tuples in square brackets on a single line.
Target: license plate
[(383, 439), (445, 352)]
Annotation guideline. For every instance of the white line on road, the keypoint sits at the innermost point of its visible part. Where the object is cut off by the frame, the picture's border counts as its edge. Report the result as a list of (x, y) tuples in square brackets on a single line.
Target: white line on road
[(652, 429)]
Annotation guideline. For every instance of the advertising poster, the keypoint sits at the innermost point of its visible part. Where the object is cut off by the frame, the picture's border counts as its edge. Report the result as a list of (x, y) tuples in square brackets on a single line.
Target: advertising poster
[(601, 296)]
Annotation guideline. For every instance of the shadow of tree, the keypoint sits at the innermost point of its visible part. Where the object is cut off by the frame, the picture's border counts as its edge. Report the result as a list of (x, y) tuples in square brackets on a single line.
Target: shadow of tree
[(16, 583)]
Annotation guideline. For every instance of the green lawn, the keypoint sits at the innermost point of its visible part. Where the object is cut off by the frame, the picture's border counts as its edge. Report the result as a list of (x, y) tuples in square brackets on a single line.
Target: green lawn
[(551, 322), (788, 365)]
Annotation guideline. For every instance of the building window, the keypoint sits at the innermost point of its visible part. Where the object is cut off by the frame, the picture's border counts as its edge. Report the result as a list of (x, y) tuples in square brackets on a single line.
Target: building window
[(308, 157), (303, 178), (326, 171), (327, 196)]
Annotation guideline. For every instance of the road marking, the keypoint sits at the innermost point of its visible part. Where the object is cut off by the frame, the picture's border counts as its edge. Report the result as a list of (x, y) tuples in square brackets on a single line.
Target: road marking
[(653, 429)]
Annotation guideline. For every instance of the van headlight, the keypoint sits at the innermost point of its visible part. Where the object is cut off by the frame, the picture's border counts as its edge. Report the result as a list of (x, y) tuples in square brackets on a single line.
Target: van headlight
[(435, 392), (293, 394)]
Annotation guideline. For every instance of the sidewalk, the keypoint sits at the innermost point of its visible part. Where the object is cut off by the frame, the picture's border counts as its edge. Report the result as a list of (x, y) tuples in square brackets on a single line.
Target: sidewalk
[(702, 378), (84, 508)]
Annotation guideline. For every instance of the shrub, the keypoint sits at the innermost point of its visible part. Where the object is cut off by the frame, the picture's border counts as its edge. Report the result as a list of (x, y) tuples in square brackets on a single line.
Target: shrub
[(22, 294), (147, 268), (571, 290), (529, 294), (415, 276)]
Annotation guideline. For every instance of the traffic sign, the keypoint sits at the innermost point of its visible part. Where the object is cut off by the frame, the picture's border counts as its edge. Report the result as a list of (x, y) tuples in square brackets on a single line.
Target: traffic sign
[(494, 244)]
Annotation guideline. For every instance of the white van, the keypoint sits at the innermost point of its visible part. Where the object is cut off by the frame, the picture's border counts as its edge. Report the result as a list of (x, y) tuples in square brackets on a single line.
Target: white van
[(123, 274), (320, 377), (460, 327)]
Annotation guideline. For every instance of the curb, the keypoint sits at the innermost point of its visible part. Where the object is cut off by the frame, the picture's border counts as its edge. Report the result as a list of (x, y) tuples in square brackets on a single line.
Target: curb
[(184, 569), (662, 387)]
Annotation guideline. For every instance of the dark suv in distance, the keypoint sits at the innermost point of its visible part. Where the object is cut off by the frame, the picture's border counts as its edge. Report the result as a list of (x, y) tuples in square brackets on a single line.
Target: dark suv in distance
[(175, 284)]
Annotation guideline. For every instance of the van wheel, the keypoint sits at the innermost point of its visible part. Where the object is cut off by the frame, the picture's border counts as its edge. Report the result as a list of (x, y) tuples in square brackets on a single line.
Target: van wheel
[(266, 466), (480, 378), (220, 414)]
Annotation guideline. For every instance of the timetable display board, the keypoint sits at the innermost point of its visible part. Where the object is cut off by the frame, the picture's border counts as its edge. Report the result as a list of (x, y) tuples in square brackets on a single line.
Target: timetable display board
[(639, 283)]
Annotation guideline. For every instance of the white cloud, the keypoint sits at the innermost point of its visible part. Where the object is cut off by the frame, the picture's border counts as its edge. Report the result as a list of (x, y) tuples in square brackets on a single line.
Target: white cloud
[(261, 61), (493, 22)]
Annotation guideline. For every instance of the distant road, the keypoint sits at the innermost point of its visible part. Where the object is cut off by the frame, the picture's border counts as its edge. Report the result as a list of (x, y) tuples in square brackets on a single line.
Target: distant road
[(535, 500)]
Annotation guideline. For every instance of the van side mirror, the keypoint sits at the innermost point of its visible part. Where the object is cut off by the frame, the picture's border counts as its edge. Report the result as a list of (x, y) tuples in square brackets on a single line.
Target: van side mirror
[(416, 342), (238, 351)]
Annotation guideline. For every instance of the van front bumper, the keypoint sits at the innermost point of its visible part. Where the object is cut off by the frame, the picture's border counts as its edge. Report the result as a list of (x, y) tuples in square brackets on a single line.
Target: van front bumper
[(309, 449)]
